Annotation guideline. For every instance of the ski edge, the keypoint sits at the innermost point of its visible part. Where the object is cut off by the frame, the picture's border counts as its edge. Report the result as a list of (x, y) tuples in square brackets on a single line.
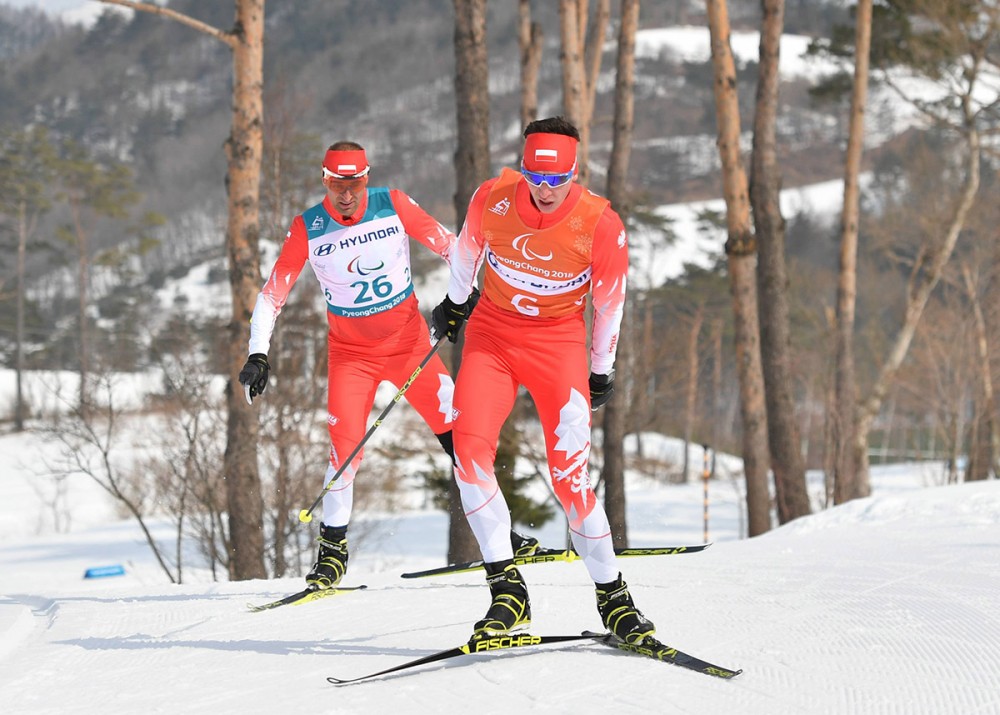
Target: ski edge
[(546, 555), (652, 648), (310, 593), (473, 646)]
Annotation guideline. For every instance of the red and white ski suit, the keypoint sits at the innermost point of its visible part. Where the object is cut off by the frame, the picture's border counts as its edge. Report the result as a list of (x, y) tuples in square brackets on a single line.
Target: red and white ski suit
[(528, 329), (376, 331)]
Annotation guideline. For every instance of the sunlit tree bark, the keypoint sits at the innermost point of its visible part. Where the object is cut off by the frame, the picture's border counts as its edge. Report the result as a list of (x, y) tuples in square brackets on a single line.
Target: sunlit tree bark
[(244, 148), (741, 252)]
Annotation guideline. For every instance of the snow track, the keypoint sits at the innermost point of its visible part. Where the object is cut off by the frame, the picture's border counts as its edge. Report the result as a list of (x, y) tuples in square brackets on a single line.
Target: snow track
[(879, 606)]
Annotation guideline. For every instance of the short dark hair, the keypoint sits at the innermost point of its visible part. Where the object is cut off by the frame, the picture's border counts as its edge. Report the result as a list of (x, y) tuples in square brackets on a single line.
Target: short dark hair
[(345, 146), (552, 125)]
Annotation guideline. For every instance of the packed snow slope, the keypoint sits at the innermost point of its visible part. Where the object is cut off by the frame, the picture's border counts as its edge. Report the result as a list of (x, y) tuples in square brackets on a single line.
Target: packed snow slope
[(884, 605)]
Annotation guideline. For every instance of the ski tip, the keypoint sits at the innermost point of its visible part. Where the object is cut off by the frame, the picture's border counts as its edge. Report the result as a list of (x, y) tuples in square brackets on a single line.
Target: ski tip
[(723, 673), (258, 607)]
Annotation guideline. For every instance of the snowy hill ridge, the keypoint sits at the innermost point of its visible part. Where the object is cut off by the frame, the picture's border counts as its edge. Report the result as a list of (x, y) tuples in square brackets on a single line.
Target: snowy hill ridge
[(886, 604)]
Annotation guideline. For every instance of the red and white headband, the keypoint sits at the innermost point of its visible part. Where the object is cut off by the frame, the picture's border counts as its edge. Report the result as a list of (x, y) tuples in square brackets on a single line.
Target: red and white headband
[(345, 164), (549, 153)]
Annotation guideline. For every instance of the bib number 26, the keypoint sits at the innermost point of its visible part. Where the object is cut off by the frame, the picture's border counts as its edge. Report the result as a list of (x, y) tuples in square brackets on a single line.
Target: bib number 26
[(379, 288)]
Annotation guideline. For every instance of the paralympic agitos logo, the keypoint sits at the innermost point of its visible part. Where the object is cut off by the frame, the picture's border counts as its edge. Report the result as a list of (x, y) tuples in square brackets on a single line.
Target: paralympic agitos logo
[(355, 267), (521, 244)]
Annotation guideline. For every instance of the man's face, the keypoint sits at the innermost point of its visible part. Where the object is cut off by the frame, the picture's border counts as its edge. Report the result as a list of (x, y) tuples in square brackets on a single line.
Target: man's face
[(548, 199), (548, 190), (345, 194)]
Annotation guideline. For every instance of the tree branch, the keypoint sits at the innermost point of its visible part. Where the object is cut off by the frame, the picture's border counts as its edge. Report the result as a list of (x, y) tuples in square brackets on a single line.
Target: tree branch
[(228, 37)]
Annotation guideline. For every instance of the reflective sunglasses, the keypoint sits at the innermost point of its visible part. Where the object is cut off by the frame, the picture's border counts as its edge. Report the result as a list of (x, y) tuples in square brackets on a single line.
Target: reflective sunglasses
[(354, 184), (553, 181)]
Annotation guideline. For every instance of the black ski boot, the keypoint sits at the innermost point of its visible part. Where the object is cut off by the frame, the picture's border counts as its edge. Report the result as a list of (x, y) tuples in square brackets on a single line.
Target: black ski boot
[(523, 545), (331, 564), (511, 608), (619, 613)]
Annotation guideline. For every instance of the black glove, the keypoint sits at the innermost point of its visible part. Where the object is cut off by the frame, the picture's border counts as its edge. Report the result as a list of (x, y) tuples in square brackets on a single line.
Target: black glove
[(601, 389), (448, 318), (473, 300), (254, 374)]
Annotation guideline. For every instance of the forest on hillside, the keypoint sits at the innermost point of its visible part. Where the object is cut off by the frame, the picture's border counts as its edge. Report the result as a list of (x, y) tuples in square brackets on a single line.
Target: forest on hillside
[(125, 124)]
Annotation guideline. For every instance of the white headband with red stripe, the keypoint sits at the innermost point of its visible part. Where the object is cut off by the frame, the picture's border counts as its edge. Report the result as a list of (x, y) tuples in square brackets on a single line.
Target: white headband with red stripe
[(345, 163)]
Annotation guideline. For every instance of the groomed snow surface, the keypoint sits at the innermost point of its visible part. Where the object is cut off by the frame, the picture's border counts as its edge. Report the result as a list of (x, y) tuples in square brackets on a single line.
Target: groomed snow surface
[(884, 605)]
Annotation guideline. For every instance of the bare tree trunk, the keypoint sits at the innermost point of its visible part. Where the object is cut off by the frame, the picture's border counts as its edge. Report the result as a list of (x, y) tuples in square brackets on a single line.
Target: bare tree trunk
[(20, 409), (581, 64), (830, 403), (716, 385), (82, 273), (530, 40), (691, 398), (845, 427), (978, 468), (643, 409), (472, 154), (614, 425), (472, 167), (593, 50), (30, 166), (772, 279), (741, 253), (983, 353), (244, 149), (571, 60), (955, 448)]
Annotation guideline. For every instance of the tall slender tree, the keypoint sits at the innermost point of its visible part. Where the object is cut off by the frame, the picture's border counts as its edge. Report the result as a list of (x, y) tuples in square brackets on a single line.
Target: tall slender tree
[(472, 167), (844, 426), (772, 278), (244, 149), (991, 448), (571, 60), (530, 38), (580, 58), (741, 254), (27, 173), (614, 424)]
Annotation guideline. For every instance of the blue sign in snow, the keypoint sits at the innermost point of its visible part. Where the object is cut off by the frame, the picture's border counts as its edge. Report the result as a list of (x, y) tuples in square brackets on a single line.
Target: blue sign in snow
[(102, 571)]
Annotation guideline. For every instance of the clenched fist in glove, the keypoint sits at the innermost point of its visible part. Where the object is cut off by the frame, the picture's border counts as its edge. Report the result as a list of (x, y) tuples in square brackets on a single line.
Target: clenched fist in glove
[(448, 318), (254, 374), (601, 389)]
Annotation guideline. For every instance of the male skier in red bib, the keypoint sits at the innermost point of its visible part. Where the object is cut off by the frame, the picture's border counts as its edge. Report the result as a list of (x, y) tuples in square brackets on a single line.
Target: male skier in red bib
[(546, 243), (357, 242)]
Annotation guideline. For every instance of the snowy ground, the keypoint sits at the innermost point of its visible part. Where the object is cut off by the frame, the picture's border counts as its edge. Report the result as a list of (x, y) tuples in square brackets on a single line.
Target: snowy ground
[(884, 605)]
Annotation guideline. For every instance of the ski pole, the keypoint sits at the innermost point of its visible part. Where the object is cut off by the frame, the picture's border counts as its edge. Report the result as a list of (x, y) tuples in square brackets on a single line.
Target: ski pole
[(305, 516)]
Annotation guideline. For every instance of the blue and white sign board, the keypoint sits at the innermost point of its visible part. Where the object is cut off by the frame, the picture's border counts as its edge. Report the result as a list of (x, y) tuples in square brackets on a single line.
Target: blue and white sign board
[(103, 571)]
